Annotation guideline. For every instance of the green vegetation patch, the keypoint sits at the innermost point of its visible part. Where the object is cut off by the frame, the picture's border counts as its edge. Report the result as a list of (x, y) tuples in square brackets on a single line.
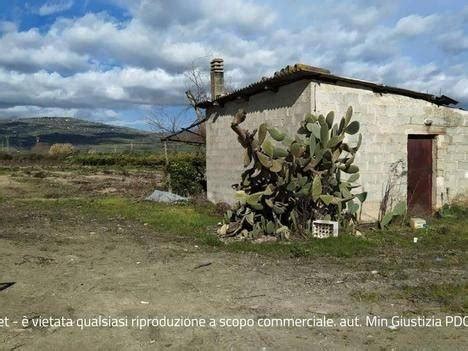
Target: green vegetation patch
[(367, 296), (343, 246), (443, 240), (198, 222), (140, 159), (180, 219), (450, 296), (22, 133), (443, 243)]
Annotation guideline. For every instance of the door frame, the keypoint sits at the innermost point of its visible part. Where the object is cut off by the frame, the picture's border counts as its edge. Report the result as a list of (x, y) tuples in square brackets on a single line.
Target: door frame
[(433, 137)]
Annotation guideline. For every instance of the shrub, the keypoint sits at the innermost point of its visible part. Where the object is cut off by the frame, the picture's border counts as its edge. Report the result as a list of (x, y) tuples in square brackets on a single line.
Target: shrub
[(22, 157), (222, 208), (61, 150), (455, 211), (4, 156), (120, 159), (187, 174)]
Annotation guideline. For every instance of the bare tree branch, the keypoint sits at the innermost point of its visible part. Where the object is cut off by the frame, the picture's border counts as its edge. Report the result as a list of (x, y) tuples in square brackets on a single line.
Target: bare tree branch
[(164, 120), (161, 119), (197, 83)]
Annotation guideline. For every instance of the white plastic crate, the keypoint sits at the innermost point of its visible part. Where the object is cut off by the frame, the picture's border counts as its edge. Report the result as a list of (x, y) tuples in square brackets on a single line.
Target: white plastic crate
[(324, 229)]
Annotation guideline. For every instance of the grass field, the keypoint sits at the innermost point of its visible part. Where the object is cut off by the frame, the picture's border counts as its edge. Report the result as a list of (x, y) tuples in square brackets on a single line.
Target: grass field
[(80, 241)]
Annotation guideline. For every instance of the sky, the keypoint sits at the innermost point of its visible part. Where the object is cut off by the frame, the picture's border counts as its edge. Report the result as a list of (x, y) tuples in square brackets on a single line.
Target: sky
[(119, 61)]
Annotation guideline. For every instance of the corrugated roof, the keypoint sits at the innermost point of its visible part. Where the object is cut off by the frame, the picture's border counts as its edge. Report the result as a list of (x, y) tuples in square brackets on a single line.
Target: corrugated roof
[(299, 71)]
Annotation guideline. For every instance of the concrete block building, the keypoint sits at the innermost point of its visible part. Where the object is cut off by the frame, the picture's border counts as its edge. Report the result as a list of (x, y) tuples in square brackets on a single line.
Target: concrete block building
[(422, 132)]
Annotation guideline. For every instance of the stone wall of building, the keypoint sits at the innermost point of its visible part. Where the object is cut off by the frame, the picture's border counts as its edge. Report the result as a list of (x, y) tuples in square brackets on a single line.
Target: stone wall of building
[(386, 121), (224, 155)]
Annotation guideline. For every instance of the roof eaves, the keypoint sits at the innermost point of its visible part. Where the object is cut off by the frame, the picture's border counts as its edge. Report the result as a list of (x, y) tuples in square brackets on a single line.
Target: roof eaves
[(298, 72)]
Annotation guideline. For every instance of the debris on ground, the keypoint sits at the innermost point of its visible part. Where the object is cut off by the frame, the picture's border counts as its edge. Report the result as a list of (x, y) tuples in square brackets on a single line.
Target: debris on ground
[(204, 264), (165, 196), (39, 260), (266, 238), (4, 286), (418, 223)]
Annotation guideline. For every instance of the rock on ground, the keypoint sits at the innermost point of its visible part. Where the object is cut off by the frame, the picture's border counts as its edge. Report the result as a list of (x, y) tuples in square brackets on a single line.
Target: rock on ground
[(165, 196)]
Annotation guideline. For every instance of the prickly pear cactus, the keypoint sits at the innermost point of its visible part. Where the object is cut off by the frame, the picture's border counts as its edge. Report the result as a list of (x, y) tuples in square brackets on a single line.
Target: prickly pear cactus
[(289, 182)]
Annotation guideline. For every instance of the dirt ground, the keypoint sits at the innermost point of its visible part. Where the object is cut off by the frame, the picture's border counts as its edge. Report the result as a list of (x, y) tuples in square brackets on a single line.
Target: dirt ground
[(77, 264)]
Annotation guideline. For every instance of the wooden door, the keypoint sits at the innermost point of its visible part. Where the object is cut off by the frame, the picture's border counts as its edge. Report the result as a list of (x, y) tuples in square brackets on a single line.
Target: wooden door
[(419, 190)]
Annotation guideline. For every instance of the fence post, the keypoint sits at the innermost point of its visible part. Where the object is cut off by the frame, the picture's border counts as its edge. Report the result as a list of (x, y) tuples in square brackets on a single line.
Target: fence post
[(168, 175)]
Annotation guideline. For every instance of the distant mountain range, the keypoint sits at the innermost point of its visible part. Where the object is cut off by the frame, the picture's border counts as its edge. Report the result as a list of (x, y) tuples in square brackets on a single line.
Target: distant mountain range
[(23, 133)]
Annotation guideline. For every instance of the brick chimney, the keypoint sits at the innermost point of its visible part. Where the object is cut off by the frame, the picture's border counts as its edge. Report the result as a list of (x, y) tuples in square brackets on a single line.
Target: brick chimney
[(217, 78)]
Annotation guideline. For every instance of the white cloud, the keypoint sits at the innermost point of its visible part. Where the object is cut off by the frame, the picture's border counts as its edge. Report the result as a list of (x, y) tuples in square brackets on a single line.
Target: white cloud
[(8, 26), (415, 24), (455, 41), (30, 50), (99, 62), (116, 88), (35, 111), (367, 16), (428, 78), (55, 6), (241, 14)]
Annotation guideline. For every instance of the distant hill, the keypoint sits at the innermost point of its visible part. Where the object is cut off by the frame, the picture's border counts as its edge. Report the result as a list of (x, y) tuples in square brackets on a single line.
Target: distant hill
[(22, 133)]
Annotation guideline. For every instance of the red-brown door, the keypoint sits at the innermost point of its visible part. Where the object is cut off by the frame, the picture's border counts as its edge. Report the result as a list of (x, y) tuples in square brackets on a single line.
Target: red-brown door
[(419, 174)]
